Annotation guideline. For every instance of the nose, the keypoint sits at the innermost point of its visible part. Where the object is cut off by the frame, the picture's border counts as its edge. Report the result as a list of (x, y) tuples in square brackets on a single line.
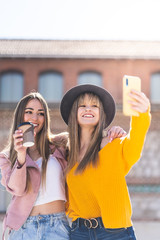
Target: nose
[(88, 108), (34, 116)]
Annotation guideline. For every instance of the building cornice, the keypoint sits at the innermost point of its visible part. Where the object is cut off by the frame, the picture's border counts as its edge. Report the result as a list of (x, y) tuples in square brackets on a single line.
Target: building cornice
[(79, 49)]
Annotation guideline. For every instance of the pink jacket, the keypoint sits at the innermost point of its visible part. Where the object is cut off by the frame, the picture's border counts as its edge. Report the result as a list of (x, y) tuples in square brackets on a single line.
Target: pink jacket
[(15, 182)]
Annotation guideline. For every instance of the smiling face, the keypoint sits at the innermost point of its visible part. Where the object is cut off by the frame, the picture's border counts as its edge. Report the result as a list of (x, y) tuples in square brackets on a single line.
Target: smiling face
[(88, 111), (34, 113)]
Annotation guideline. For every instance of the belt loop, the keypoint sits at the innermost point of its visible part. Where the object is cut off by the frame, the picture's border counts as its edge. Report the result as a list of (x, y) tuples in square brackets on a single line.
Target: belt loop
[(78, 222), (51, 220), (25, 225), (100, 222)]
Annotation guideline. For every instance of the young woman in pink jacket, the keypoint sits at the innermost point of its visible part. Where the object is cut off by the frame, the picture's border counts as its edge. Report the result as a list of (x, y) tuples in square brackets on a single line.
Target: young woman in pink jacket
[(34, 175)]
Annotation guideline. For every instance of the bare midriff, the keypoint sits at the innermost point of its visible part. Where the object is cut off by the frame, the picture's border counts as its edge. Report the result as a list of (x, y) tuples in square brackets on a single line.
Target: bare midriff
[(48, 208)]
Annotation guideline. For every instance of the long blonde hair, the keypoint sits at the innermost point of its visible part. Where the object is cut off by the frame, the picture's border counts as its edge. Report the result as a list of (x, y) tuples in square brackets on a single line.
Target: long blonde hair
[(43, 138), (91, 155)]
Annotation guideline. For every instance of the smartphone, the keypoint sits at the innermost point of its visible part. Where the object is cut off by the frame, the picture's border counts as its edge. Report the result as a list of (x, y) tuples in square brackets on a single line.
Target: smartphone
[(130, 82)]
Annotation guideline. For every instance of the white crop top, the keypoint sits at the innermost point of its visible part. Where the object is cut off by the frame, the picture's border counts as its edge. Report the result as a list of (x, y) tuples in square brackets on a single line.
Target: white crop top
[(55, 184)]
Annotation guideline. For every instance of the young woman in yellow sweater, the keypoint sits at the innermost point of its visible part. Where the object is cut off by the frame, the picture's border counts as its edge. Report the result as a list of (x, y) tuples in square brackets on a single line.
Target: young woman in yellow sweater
[(99, 203)]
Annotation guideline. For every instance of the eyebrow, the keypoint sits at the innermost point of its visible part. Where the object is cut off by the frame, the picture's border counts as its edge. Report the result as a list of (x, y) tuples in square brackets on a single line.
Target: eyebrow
[(41, 110)]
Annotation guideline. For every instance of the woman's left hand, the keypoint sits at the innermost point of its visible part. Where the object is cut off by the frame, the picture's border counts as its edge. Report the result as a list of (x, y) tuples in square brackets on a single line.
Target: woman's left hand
[(115, 132), (110, 134)]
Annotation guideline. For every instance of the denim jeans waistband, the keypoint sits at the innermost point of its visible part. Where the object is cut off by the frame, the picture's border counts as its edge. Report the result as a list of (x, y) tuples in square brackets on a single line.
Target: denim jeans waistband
[(46, 217)]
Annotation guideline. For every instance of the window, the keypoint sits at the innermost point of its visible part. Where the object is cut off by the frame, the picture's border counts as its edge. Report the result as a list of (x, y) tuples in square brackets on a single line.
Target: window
[(90, 78), (11, 86), (51, 86), (155, 88)]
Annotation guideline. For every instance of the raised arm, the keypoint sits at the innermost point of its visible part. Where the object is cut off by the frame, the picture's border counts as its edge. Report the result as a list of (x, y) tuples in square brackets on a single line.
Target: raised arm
[(134, 142), (15, 178)]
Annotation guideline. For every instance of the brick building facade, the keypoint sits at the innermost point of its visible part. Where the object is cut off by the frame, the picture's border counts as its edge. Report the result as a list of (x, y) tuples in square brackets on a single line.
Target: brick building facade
[(109, 61)]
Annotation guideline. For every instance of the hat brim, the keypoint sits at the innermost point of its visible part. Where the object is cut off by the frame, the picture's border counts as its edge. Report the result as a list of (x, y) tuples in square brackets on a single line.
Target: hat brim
[(105, 97)]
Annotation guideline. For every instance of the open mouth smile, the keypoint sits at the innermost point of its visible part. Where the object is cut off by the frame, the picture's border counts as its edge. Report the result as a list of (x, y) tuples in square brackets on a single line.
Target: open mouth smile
[(88, 116)]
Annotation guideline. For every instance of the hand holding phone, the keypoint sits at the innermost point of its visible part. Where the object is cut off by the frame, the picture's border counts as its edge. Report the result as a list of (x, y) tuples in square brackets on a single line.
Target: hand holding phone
[(129, 83)]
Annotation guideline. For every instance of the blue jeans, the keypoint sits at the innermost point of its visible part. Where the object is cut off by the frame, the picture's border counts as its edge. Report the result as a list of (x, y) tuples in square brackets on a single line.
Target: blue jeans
[(96, 231), (43, 227)]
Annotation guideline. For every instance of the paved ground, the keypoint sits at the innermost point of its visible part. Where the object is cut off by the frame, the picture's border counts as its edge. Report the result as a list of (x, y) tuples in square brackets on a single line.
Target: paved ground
[(147, 230), (144, 230)]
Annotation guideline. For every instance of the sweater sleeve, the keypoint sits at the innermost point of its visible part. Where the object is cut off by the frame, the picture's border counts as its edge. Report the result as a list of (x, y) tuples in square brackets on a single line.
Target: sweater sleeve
[(13, 179), (133, 143)]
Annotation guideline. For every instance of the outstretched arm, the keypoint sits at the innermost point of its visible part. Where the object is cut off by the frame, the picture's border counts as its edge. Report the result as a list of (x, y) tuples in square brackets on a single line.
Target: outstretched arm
[(133, 143)]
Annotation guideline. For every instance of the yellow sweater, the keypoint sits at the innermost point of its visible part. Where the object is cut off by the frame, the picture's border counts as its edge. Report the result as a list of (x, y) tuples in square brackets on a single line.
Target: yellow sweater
[(102, 191)]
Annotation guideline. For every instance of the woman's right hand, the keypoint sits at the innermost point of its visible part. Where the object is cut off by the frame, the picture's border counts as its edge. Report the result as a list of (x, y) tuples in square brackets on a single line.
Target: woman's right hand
[(18, 146), (140, 102)]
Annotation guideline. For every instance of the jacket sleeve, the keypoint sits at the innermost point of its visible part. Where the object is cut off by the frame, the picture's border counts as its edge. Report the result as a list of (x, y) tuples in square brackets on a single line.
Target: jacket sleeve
[(132, 144), (13, 179)]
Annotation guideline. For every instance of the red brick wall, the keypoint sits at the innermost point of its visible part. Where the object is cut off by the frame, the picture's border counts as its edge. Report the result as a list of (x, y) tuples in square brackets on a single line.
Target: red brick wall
[(112, 71)]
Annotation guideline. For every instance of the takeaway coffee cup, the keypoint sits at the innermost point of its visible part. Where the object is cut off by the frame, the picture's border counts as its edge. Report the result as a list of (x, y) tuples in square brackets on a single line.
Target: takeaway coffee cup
[(28, 133)]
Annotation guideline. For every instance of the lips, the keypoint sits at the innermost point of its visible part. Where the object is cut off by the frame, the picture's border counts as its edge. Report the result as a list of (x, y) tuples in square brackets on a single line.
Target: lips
[(35, 124)]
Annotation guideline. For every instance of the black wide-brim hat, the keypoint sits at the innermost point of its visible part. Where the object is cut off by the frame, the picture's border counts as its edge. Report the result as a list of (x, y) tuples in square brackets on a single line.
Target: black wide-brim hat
[(105, 97)]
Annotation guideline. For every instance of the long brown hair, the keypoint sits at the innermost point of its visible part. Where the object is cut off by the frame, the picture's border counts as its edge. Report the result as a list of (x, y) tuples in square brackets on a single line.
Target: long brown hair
[(42, 138), (91, 155)]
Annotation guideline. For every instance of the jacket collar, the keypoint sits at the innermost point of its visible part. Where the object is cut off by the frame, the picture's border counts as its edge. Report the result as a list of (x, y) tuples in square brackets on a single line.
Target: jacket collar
[(30, 162)]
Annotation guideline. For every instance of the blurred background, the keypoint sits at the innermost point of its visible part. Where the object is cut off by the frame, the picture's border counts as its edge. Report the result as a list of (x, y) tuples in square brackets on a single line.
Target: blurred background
[(51, 45)]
